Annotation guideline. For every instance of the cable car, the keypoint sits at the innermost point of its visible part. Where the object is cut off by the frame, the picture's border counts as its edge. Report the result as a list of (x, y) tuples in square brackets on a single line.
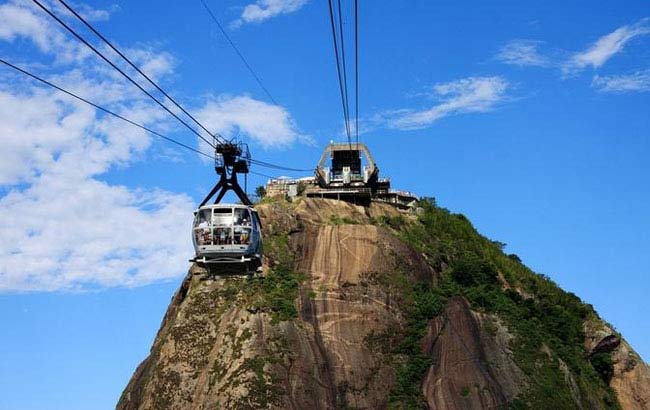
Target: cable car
[(227, 233)]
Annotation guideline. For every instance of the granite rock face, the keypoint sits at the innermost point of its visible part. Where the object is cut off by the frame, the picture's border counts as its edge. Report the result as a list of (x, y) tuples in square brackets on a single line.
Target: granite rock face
[(225, 345), (631, 376)]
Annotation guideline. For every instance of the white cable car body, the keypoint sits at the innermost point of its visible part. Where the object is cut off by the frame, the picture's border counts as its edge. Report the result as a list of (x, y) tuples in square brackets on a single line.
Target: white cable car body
[(227, 233)]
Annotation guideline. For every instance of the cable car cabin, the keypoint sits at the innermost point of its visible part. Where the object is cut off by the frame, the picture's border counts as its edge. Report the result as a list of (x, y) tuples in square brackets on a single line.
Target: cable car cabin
[(227, 233)]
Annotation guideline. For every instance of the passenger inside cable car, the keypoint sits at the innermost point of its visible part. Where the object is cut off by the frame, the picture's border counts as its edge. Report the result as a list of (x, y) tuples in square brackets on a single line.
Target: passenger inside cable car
[(203, 228), (223, 227), (242, 235), (241, 217)]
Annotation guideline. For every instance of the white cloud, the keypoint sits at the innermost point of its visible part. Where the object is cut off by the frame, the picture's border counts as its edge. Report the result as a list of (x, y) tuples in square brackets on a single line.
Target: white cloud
[(61, 226), (605, 47), (263, 10), (93, 14), (75, 232), (67, 229), (152, 62), (635, 82), (24, 20), (269, 125), (522, 53), (467, 95)]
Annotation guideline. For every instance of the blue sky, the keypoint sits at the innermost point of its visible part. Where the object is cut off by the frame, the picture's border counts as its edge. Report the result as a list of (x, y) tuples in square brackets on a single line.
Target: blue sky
[(531, 119)]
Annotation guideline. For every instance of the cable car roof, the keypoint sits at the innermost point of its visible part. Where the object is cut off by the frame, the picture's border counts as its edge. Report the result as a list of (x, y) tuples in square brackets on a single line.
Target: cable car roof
[(221, 206)]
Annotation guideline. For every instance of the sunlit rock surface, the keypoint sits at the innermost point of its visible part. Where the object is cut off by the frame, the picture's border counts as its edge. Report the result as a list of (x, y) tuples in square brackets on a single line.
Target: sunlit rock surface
[(325, 334)]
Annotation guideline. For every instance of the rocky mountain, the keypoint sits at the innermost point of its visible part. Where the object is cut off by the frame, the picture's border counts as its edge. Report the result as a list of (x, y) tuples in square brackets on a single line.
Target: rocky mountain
[(370, 308)]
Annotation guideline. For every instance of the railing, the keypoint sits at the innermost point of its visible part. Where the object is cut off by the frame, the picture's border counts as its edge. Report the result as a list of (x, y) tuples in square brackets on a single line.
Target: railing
[(223, 235), (403, 193)]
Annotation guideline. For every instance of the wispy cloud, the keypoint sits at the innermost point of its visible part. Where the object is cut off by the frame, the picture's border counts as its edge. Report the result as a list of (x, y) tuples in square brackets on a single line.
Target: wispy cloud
[(527, 53), (635, 82), (606, 47), (263, 10), (523, 53), (22, 19), (467, 95), (269, 125), (93, 14), (81, 232)]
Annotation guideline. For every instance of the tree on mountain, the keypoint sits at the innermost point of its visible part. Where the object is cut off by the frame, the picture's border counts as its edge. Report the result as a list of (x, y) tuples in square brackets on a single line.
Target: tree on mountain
[(260, 192)]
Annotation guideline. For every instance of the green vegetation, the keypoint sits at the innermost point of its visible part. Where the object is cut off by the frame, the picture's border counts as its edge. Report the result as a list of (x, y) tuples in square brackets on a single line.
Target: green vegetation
[(278, 290), (264, 389), (274, 293), (547, 325), (419, 302), (546, 322), (260, 192), (395, 222), (300, 189), (338, 220), (602, 362)]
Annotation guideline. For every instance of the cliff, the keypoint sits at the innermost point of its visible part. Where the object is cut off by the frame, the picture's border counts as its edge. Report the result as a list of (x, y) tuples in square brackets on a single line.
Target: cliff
[(368, 308)]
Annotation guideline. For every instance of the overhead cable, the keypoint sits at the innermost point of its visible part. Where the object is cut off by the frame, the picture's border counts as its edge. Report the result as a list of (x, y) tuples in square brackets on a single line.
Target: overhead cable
[(103, 109), (345, 71), (263, 175), (108, 43), (280, 167), (217, 137), (145, 128), (239, 53), (103, 57), (356, 69), (338, 70)]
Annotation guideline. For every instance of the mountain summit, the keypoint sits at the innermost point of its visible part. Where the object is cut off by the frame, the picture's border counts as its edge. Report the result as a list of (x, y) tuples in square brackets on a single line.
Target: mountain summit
[(372, 308)]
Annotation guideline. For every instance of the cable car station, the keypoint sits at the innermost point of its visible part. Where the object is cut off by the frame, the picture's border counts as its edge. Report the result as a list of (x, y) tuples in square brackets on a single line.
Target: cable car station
[(346, 172)]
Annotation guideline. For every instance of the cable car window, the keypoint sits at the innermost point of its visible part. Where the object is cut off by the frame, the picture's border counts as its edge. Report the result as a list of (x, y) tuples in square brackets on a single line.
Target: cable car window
[(202, 227), (242, 235), (222, 217), (202, 219), (222, 236), (203, 236), (242, 217)]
